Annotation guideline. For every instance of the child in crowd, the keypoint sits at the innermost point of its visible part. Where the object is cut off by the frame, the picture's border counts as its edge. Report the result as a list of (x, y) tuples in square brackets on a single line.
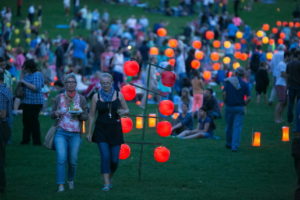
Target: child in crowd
[(184, 120)]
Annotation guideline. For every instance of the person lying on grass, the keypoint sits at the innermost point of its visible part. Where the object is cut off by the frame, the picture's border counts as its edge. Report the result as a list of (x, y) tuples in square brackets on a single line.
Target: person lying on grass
[(205, 128)]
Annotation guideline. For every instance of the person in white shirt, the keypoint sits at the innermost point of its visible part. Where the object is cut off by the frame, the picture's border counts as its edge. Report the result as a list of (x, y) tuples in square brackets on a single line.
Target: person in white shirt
[(31, 12), (67, 6), (131, 22)]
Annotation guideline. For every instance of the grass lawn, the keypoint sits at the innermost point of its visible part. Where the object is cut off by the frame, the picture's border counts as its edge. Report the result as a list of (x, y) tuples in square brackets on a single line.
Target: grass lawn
[(197, 169)]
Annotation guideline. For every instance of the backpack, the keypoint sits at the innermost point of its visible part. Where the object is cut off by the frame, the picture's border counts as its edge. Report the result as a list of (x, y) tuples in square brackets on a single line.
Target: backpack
[(255, 62)]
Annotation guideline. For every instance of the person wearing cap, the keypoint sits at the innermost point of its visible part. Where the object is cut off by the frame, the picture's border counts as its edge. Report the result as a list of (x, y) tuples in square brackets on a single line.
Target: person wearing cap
[(236, 95)]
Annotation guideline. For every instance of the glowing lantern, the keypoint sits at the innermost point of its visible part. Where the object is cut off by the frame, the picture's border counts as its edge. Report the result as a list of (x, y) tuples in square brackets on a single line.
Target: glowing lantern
[(274, 30), (282, 35), (127, 124), (28, 31), (256, 139), (195, 64), (153, 51), (227, 44), (8, 47), (172, 43), (172, 62), (244, 56), (138, 103), (131, 68), (139, 122), (238, 55), (278, 23), (197, 44), (199, 55), (260, 33), (83, 127), (216, 66), (239, 35), (226, 60), (161, 32), (152, 120), (285, 134), (269, 56), (128, 92), (237, 46), (297, 24), (175, 115), (169, 52), (124, 151), (161, 154), (17, 40), (291, 24), (216, 44), (164, 128), (265, 40), (266, 27), (280, 41), (17, 31), (28, 40), (236, 65), (168, 78), (298, 34), (36, 23), (214, 56), (271, 41), (209, 35), (150, 96), (206, 75), (285, 23), (243, 41), (166, 107)]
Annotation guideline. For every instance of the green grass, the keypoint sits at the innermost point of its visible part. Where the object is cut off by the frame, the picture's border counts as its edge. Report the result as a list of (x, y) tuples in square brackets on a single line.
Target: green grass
[(197, 169)]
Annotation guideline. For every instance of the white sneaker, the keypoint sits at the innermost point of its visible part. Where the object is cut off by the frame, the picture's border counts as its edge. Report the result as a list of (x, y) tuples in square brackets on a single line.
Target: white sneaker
[(71, 185), (60, 188)]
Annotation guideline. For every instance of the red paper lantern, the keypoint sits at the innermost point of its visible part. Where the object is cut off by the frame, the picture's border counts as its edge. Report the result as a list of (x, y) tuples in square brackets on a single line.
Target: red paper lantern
[(297, 24), (285, 23), (238, 55), (199, 55), (291, 24), (266, 27), (195, 64), (298, 34), (214, 56), (127, 124), (172, 61), (161, 154), (216, 44), (280, 41), (161, 32), (172, 43), (168, 78), (128, 92), (244, 56), (169, 52), (131, 68), (237, 46), (166, 107), (282, 35), (197, 44), (274, 30), (216, 66), (271, 41), (124, 151), (278, 23), (206, 75), (164, 128), (153, 51), (209, 35)]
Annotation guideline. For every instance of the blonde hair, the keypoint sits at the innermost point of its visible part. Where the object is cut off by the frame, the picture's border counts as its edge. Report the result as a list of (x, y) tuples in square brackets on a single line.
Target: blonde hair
[(106, 75)]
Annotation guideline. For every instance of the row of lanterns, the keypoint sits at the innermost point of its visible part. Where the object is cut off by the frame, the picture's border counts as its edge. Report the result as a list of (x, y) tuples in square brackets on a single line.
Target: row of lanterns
[(285, 136)]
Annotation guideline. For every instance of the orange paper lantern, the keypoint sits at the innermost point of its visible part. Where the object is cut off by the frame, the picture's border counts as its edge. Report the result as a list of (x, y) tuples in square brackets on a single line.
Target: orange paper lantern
[(83, 127), (291, 24), (297, 24), (298, 34), (209, 35), (278, 23), (168, 78), (214, 56), (238, 55), (175, 115), (236, 65), (161, 32), (216, 66), (266, 27), (260, 33), (285, 23), (237, 46), (206, 75), (256, 139), (227, 44), (271, 42), (285, 134), (282, 35), (280, 41), (164, 128), (169, 52), (172, 61), (172, 43), (274, 30), (161, 154), (197, 44), (239, 35), (153, 51), (216, 44), (128, 92), (226, 60), (269, 55), (127, 124), (195, 64), (199, 55), (124, 151), (152, 120), (166, 107), (131, 68), (244, 56), (139, 122), (265, 40)]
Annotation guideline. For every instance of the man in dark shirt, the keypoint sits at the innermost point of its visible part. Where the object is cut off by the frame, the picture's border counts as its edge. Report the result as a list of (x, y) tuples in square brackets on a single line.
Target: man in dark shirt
[(211, 104), (296, 148), (293, 83), (236, 95)]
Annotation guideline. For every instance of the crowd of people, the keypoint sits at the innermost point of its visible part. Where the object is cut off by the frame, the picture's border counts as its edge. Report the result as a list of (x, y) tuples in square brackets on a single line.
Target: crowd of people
[(83, 69)]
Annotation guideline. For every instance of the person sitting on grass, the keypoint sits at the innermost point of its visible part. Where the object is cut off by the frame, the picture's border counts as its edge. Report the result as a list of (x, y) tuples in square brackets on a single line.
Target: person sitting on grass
[(205, 128), (184, 120)]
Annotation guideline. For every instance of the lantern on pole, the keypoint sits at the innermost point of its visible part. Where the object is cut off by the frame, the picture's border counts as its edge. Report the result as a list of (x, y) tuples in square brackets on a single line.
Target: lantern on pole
[(127, 124), (266, 27), (209, 35), (161, 154), (236, 65), (269, 55), (152, 120), (161, 32), (131, 68), (216, 66), (169, 52), (172, 61), (175, 115), (278, 23), (139, 122), (274, 30), (214, 56), (164, 128), (239, 35), (226, 60), (128, 92), (285, 134), (216, 44), (206, 75), (197, 44), (153, 51), (195, 64), (237, 46), (260, 33), (124, 151), (199, 55), (172, 43), (265, 40), (256, 139), (168, 78), (227, 44), (166, 107)]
